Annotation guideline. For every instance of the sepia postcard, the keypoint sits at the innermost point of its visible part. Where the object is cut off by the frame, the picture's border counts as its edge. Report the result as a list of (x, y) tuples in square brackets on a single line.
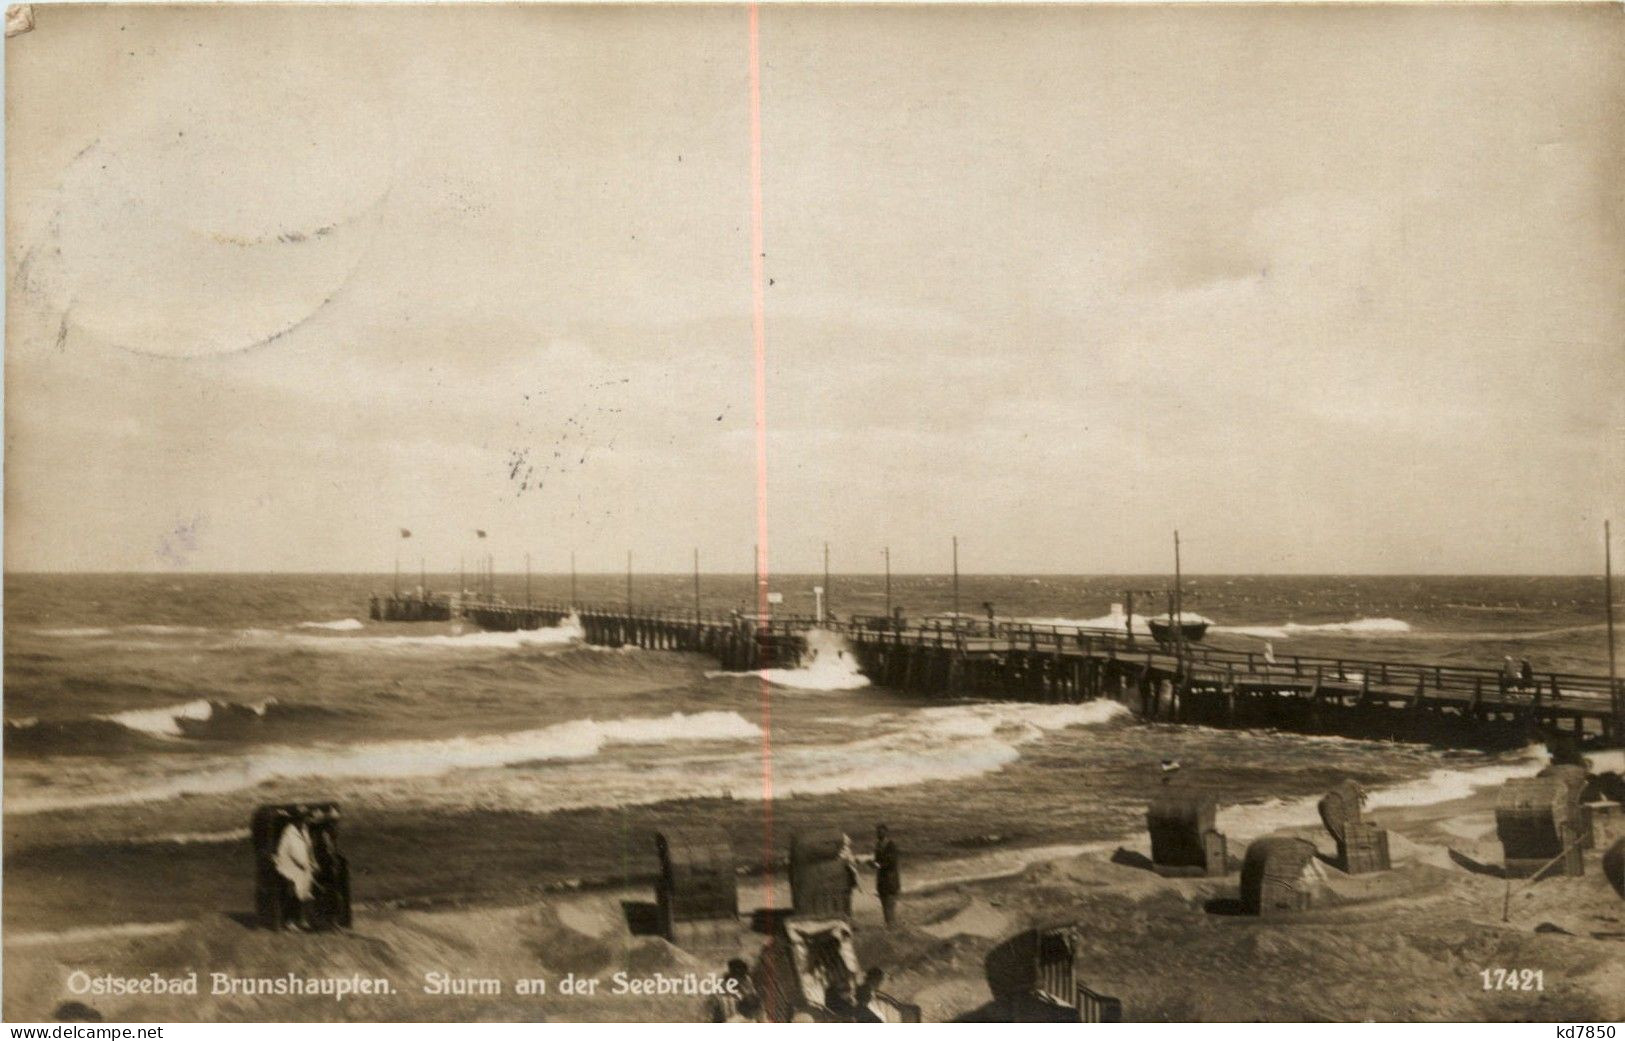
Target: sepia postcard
[(835, 513)]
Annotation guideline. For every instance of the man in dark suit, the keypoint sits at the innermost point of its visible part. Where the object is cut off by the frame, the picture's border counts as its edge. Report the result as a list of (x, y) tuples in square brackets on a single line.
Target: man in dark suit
[(888, 879)]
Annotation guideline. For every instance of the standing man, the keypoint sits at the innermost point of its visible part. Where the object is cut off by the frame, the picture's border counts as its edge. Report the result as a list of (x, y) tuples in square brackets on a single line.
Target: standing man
[(888, 879)]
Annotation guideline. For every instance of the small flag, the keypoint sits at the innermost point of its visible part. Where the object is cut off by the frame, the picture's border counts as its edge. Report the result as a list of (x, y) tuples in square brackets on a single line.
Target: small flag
[(405, 534), (480, 533)]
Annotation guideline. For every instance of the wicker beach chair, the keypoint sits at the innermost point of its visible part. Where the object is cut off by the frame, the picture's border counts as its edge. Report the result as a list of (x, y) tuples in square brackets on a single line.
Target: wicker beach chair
[(697, 891)]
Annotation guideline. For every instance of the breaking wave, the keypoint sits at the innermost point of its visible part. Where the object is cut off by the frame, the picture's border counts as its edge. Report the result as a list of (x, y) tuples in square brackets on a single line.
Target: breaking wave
[(202, 719), (936, 744), (828, 665), (569, 632), (1117, 620), (576, 739), (72, 737), (170, 720), (945, 743), (342, 625), (1356, 627)]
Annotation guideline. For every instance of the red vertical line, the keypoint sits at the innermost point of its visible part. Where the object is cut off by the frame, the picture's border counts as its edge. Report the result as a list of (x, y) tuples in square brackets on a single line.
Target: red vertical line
[(759, 338)]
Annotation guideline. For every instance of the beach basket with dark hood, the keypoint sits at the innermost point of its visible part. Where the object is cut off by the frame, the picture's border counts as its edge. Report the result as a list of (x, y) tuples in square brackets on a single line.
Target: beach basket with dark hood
[(1341, 807), (272, 899), (820, 880), (1276, 876), (697, 892), (1034, 979), (1183, 839), (1538, 822), (1578, 778)]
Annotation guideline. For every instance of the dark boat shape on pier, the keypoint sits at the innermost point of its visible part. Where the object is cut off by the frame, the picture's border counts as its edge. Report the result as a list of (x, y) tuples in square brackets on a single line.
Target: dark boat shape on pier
[(1162, 630)]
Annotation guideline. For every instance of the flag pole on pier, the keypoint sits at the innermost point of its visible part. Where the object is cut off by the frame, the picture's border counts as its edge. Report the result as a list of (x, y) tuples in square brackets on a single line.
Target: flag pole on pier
[(827, 611), (404, 535), (756, 576), (696, 585), (462, 576), (1179, 591), (628, 581), (956, 583), (423, 574), (572, 580), (1179, 606), (527, 579), (888, 581), (1608, 597)]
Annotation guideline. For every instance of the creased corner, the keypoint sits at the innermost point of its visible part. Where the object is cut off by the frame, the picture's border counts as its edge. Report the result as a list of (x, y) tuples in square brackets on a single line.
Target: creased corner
[(19, 19)]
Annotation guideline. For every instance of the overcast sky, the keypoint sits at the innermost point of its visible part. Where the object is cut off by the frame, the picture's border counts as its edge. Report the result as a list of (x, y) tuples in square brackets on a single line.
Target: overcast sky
[(1328, 290)]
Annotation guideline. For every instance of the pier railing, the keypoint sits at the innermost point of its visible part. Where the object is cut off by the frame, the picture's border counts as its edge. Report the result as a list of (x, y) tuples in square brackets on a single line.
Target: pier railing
[(974, 635)]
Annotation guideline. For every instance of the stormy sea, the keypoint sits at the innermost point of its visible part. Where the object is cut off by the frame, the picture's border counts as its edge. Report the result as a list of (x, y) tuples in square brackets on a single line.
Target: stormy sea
[(147, 715)]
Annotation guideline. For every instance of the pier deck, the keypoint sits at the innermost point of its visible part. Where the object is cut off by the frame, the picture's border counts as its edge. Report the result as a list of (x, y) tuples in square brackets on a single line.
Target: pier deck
[(1196, 683)]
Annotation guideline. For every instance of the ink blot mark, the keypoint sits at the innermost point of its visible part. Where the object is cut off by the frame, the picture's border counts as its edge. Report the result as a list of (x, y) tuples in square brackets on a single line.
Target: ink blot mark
[(176, 548)]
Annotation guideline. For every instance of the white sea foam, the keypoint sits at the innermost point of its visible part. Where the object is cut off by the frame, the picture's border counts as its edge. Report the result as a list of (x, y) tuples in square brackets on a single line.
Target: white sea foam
[(383, 760), (475, 640), (1250, 820), (80, 631), (342, 625), (1117, 621), (165, 721), (828, 665), (941, 743), (1355, 627)]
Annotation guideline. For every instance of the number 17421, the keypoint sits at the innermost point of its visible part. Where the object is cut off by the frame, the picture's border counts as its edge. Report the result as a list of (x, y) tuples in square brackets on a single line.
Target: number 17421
[(1513, 979)]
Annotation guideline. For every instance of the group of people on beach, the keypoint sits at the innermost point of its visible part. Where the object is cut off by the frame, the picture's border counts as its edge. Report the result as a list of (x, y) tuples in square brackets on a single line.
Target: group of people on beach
[(307, 862), (739, 1000), (888, 872)]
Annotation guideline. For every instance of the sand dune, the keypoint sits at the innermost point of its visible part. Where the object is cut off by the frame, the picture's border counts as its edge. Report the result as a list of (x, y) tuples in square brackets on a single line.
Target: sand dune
[(1407, 944)]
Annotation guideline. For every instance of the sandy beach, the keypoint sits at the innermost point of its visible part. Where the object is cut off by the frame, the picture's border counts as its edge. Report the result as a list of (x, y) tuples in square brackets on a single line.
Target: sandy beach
[(1409, 944)]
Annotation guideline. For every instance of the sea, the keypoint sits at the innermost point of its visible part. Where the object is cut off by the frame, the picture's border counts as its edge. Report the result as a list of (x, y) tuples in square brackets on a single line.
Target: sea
[(147, 715)]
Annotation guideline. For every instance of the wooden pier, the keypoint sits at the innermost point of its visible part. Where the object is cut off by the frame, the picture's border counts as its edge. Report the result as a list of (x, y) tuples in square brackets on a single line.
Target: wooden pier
[(1190, 683)]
